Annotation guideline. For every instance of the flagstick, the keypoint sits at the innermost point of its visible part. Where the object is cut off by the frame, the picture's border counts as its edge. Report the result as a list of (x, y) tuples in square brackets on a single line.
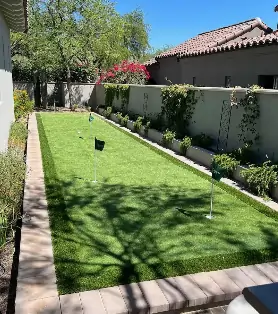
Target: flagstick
[(211, 201), (95, 166), (91, 128)]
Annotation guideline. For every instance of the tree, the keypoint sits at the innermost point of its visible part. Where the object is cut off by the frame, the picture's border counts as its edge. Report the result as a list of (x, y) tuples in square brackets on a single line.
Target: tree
[(136, 34), (151, 53), (77, 35)]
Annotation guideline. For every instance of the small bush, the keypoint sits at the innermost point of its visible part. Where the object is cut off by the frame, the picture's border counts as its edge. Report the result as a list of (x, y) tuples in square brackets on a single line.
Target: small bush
[(18, 135), (147, 127), (75, 107), (262, 178), (226, 162), (122, 119), (168, 137), (185, 144), (107, 112), (202, 140), (138, 124), (12, 173), (22, 104)]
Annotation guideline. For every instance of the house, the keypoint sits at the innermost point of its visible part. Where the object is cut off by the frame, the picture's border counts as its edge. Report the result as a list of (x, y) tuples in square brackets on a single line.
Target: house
[(242, 54), (13, 16)]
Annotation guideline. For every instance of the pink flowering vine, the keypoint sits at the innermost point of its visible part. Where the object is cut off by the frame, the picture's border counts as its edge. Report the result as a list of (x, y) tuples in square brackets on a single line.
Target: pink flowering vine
[(125, 73)]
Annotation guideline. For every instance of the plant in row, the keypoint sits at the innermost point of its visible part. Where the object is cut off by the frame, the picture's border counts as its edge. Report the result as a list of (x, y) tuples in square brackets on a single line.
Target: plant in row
[(168, 137), (122, 119)]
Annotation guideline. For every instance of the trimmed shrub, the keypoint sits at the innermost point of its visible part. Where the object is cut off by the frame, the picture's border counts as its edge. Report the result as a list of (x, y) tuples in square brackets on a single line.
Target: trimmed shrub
[(122, 119), (226, 162), (261, 179), (107, 112), (168, 137), (138, 124), (22, 104), (18, 135), (185, 144), (147, 127)]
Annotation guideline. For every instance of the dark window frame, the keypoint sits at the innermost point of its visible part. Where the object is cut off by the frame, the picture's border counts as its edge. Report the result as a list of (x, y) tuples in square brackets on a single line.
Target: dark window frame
[(194, 81), (268, 81), (228, 81)]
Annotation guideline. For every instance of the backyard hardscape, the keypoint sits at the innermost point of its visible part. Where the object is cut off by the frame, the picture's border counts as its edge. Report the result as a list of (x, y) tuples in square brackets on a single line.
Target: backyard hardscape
[(37, 289)]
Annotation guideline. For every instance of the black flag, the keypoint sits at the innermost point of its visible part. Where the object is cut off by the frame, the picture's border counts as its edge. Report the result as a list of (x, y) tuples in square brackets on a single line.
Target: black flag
[(99, 145)]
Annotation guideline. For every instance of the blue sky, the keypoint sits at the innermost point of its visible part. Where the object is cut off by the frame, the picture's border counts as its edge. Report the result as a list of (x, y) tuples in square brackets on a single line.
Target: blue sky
[(173, 21)]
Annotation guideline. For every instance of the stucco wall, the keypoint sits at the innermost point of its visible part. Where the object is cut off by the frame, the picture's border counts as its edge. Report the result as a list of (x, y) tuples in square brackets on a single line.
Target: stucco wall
[(167, 67), (207, 115), (83, 93), (6, 85), (244, 66)]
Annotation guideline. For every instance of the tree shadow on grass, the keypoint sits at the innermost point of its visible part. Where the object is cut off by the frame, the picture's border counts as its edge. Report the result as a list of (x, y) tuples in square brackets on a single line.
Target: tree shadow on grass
[(107, 234)]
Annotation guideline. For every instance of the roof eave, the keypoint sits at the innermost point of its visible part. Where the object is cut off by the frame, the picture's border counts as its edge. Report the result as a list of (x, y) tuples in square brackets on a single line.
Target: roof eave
[(15, 14), (233, 48)]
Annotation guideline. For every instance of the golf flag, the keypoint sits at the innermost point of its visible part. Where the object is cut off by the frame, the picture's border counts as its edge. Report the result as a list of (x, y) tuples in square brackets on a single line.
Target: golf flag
[(217, 172), (91, 118), (99, 145)]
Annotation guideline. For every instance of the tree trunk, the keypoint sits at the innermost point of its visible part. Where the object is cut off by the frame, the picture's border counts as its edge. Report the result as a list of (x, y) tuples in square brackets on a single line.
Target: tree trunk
[(37, 89), (44, 89), (69, 87)]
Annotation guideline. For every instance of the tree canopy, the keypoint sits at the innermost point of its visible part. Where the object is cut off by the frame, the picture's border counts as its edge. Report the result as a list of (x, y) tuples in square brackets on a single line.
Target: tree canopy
[(71, 37), (153, 52)]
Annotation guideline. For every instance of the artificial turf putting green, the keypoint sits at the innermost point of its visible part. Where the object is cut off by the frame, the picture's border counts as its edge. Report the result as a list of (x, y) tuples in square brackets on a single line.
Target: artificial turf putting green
[(127, 227)]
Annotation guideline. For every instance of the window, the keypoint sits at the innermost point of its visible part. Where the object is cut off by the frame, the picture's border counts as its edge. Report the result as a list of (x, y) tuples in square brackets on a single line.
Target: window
[(268, 81), (194, 81), (228, 81)]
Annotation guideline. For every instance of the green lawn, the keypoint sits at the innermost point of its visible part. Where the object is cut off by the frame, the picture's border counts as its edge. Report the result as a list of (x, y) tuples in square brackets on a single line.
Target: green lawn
[(126, 227)]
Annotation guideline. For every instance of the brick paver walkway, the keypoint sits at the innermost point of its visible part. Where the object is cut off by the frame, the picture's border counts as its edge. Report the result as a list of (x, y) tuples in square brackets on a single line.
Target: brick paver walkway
[(36, 283), (37, 290)]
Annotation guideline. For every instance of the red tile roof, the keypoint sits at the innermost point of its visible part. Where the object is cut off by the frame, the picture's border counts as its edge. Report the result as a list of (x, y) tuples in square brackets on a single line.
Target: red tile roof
[(250, 42), (150, 62), (221, 40)]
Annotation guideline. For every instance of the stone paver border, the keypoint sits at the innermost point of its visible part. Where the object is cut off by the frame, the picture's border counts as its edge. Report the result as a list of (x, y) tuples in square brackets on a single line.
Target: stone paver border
[(37, 289), (36, 282)]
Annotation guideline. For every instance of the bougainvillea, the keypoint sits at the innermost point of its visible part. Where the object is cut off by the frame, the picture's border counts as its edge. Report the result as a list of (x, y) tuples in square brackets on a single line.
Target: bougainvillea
[(125, 73)]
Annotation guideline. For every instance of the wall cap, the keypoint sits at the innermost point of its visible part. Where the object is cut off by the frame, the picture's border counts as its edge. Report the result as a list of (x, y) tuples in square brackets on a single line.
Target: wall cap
[(212, 89)]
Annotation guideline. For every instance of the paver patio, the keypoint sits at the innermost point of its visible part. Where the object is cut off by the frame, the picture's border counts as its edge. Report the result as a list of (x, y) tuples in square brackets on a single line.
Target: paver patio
[(37, 289)]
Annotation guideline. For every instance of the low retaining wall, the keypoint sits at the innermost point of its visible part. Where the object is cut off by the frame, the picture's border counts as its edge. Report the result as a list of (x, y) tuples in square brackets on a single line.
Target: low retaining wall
[(237, 174), (199, 155), (155, 136), (176, 146), (130, 125)]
